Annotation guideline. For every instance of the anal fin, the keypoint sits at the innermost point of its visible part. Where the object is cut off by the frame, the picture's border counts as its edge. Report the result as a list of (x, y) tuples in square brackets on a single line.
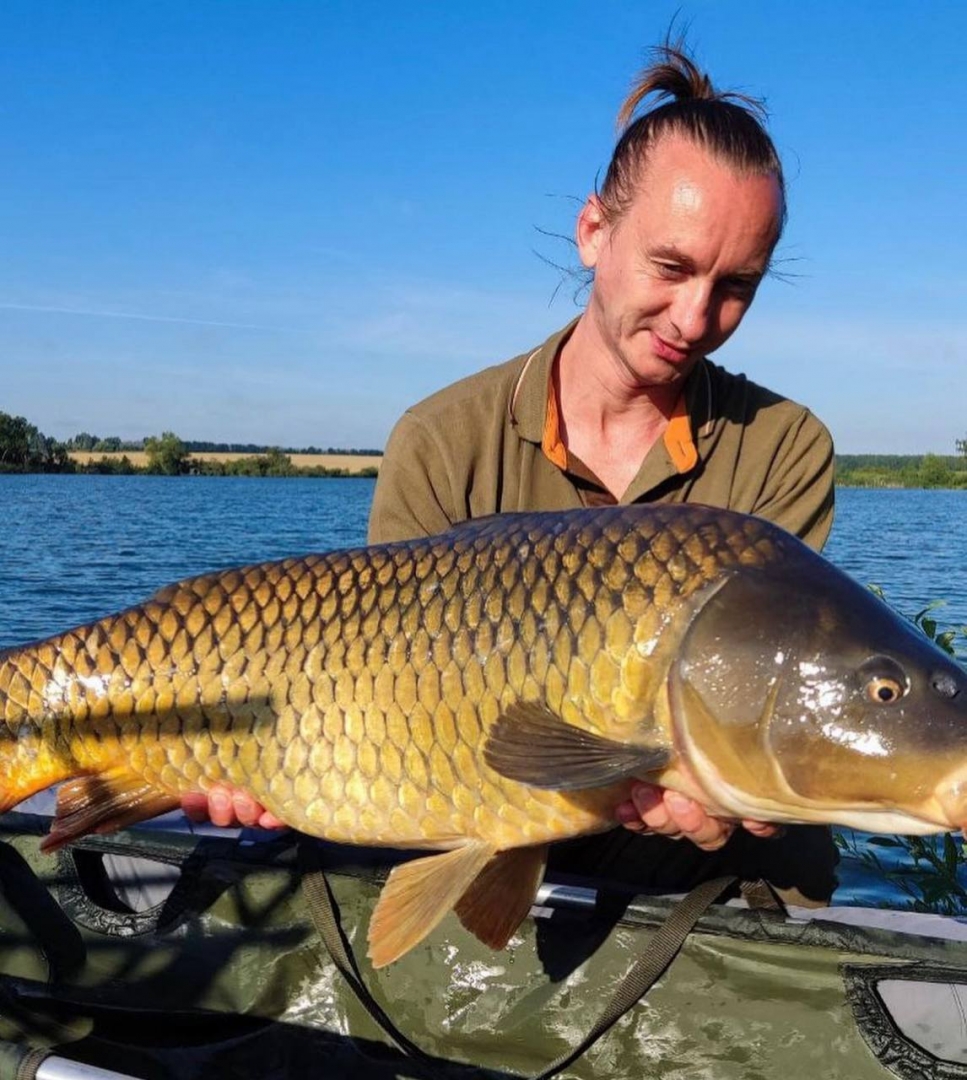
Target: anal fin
[(102, 803), (418, 894), (500, 897)]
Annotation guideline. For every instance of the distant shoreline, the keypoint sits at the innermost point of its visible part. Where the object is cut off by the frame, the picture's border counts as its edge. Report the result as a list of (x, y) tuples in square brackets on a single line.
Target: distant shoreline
[(852, 470), (348, 464)]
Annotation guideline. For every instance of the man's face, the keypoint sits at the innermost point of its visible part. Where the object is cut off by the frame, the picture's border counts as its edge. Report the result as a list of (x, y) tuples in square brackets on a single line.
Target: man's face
[(674, 275)]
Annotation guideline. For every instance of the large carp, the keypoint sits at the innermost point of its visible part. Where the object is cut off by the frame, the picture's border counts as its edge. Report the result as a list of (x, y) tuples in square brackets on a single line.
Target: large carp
[(495, 688)]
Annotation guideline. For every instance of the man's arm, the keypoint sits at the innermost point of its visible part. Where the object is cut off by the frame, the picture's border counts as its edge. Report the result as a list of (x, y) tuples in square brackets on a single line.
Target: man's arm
[(799, 488), (414, 489)]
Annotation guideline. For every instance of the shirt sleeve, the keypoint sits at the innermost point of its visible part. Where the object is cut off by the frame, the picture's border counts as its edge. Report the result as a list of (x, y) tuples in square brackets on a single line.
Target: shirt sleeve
[(413, 490), (799, 491)]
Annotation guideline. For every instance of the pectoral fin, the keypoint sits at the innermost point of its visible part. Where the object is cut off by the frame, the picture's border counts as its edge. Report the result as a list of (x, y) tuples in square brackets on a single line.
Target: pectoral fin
[(104, 803), (499, 899), (532, 745), (417, 895)]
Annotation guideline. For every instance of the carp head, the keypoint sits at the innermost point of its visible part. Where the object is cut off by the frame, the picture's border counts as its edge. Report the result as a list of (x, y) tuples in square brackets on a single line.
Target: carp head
[(798, 695)]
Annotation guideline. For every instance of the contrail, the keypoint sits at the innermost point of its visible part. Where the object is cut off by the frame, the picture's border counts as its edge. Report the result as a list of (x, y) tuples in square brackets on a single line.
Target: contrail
[(143, 318)]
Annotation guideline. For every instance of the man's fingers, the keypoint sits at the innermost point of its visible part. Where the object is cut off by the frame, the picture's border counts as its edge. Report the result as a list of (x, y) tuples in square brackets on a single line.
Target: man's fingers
[(195, 806), (221, 807), (652, 812), (694, 822), (765, 830), (673, 815), (228, 807), (247, 810), (627, 815)]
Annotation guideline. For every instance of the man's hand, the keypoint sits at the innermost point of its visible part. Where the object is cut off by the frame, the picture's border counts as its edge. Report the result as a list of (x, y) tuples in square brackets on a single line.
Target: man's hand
[(653, 809), (226, 806)]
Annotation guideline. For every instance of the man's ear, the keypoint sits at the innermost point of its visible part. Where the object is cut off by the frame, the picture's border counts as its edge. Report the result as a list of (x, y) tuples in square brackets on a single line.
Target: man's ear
[(591, 231)]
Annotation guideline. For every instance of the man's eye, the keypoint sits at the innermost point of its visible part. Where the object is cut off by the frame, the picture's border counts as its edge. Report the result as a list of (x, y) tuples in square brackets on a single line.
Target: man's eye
[(670, 269), (744, 290)]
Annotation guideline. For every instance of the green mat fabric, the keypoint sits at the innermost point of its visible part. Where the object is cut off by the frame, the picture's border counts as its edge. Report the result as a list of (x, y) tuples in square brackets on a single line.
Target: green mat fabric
[(229, 977)]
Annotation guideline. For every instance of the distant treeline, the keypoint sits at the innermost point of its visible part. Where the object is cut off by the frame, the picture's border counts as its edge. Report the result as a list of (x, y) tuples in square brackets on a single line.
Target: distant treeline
[(25, 449), (271, 463), (252, 448), (901, 470), (114, 445)]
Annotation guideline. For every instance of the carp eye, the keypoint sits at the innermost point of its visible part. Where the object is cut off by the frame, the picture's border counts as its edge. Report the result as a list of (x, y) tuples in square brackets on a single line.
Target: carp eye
[(883, 690), (883, 680)]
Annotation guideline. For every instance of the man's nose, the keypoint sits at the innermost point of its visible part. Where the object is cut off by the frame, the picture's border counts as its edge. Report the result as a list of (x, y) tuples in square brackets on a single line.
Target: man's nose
[(692, 311)]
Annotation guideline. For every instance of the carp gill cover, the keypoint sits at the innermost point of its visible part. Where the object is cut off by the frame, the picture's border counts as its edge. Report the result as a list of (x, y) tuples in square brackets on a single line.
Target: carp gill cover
[(490, 690)]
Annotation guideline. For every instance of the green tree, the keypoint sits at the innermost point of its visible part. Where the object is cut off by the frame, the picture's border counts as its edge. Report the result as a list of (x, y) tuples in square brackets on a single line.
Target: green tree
[(166, 453), (278, 464), (17, 439), (49, 454), (23, 447), (84, 440), (934, 472), (961, 445)]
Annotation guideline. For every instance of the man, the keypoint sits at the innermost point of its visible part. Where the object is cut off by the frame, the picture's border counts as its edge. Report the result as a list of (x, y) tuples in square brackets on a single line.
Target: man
[(623, 405)]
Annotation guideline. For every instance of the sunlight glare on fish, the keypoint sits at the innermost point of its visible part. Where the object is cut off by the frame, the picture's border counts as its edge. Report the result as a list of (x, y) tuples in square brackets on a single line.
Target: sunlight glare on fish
[(869, 743)]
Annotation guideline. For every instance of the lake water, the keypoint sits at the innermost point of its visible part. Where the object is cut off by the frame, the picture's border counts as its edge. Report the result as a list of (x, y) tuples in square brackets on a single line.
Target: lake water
[(73, 548), (912, 543)]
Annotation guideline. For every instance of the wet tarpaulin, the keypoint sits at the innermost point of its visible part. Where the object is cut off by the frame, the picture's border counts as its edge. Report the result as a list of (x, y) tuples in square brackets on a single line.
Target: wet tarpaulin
[(227, 976)]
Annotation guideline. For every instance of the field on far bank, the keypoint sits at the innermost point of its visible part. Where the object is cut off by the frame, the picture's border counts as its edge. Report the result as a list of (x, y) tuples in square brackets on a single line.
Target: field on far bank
[(352, 463)]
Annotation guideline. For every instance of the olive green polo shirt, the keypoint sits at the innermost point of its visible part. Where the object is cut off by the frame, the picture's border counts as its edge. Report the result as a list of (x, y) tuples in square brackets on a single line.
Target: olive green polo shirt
[(478, 447)]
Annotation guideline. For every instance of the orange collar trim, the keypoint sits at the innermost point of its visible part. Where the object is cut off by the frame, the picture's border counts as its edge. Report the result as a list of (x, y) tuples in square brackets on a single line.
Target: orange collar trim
[(551, 442), (677, 437)]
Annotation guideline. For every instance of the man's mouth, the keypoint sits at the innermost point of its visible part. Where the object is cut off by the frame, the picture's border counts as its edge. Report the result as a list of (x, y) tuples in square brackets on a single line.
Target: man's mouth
[(674, 354)]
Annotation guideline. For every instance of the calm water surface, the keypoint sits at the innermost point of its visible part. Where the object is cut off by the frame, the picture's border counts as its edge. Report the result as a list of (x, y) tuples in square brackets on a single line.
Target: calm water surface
[(73, 548), (911, 543), (76, 547)]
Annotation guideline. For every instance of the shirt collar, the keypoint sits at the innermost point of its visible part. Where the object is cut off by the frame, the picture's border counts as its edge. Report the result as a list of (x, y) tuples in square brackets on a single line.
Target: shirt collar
[(533, 408), (528, 402)]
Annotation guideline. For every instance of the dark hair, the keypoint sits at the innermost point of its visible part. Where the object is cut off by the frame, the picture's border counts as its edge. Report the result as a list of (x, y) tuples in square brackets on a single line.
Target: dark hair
[(729, 125)]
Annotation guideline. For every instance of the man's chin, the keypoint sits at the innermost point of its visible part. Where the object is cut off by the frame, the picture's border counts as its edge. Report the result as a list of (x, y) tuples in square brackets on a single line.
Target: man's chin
[(650, 370)]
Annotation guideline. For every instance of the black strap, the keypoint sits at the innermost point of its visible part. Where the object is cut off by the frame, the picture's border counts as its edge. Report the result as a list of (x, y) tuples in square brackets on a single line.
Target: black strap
[(29, 899), (648, 968), (322, 909), (761, 895), (662, 949)]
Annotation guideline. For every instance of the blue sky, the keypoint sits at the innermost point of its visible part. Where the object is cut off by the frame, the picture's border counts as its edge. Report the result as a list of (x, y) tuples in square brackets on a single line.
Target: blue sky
[(282, 222)]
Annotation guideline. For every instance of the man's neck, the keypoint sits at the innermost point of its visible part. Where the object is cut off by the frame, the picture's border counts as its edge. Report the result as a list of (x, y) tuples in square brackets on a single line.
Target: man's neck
[(607, 420)]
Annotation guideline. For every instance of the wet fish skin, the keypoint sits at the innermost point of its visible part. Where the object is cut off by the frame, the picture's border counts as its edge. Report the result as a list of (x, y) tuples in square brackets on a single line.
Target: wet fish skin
[(350, 692)]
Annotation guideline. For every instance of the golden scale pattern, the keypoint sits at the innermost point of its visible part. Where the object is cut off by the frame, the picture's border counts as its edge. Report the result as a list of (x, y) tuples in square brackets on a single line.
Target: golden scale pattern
[(350, 692)]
